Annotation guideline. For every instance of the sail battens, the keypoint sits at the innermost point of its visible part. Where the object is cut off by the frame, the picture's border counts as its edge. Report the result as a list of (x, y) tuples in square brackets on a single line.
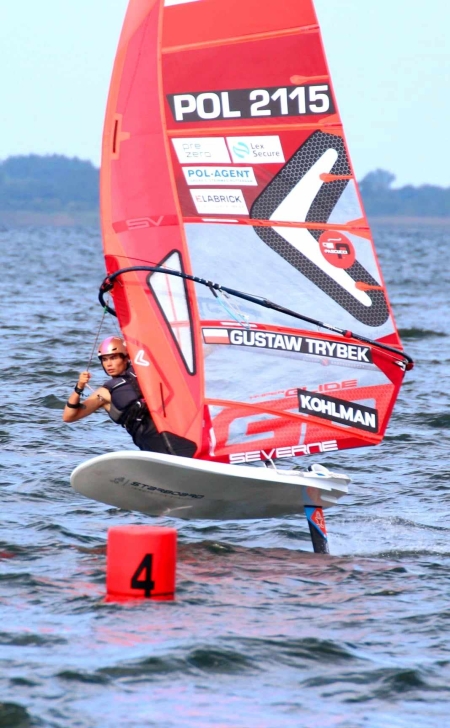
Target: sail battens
[(258, 128), (241, 39), (343, 411), (357, 229), (217, 20)]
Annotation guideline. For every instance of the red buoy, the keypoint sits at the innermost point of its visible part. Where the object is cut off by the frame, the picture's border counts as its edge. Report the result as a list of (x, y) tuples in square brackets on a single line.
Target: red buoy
[(141, 563)]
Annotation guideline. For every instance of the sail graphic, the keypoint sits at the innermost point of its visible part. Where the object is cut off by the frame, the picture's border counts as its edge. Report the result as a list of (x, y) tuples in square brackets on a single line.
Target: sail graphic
[(224, 158)]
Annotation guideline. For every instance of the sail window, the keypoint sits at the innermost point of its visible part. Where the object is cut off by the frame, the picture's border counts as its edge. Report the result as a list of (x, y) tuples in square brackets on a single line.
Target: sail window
[(171, 295)]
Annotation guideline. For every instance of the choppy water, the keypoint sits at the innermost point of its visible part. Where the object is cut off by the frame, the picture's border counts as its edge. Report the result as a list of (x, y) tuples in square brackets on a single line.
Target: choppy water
[(263, 633)]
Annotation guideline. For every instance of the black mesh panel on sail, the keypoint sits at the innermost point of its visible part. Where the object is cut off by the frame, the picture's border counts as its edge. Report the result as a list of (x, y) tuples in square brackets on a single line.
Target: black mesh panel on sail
[(320, 211)]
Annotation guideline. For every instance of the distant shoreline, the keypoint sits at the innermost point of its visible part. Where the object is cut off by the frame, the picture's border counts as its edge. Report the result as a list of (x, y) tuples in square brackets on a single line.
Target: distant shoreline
[(54, 190), (91, 218)]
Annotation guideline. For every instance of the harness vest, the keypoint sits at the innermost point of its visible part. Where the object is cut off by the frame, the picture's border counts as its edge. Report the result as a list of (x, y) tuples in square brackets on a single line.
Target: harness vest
[(128, 407)]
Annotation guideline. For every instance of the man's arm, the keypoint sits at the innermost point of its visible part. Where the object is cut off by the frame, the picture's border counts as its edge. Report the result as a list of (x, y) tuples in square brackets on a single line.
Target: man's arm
[(76, 410)]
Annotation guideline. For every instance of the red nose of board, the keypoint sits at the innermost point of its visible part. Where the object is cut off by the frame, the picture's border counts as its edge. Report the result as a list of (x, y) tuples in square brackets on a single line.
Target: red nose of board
[(141, 563)]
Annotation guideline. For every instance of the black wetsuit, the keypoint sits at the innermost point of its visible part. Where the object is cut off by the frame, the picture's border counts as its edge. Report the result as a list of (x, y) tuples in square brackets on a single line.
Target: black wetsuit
[(128, 408)]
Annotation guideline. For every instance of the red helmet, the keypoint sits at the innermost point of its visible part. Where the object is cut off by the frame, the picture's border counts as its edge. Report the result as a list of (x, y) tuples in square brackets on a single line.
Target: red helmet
[(112, 345)]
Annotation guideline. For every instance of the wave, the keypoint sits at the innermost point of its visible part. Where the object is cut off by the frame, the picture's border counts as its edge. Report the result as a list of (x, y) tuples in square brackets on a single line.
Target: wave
[(385, 683), (416, 334), (439, 420), (25, 639), (14, 715)]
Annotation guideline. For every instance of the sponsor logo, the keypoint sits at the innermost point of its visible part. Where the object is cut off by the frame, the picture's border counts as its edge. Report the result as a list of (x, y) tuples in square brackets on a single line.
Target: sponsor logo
[(338, 350), (288, 342), (216, 336), (143, 486), (318, 519), (212, 149), (138, 223), (224, 176), (337, 410), (140, 359), (283, 452), (224, 201), (337, 249), (251, 103), (257, 149), (293, 392)]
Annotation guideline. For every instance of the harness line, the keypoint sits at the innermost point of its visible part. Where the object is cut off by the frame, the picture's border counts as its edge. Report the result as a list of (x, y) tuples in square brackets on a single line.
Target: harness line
[(105, 311)]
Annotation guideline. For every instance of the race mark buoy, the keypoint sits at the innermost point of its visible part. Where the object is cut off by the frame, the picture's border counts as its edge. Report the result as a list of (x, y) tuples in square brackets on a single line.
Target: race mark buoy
[(141, 563)]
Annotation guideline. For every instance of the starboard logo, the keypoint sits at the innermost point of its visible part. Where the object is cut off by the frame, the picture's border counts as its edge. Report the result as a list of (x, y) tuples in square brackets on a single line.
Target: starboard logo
[(287, 342), (153, 488), (337, 410)]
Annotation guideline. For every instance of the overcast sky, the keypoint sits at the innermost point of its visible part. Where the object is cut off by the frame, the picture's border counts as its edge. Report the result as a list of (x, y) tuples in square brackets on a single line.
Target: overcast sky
[(389, 60)]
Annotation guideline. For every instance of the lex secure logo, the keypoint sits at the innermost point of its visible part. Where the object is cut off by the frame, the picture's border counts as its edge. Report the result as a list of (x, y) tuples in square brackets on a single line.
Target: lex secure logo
[(256, 149)]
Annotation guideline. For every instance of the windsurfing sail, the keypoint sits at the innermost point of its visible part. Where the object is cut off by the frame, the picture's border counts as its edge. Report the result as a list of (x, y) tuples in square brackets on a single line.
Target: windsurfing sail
[(224, 158)]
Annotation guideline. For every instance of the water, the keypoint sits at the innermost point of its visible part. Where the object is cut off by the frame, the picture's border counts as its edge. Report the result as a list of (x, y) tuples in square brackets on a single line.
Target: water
[(263, 632)]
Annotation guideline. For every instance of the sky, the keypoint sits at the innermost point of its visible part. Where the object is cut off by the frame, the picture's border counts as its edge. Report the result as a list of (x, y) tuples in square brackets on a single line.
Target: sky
[(389, 62)]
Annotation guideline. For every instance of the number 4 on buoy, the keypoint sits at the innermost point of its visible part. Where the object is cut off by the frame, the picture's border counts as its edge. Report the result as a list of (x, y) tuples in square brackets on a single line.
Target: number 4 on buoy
[(141, 563), (146, 583)]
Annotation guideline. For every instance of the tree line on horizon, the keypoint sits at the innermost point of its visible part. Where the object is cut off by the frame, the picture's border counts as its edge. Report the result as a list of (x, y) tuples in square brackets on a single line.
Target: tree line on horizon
[(55, 183)]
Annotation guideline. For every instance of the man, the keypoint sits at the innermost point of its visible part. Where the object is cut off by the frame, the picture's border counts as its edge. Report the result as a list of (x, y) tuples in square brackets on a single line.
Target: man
[(122, 399)]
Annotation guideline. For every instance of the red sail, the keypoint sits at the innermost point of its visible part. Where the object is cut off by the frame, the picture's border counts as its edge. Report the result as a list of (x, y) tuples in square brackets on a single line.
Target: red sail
[(224, 156)]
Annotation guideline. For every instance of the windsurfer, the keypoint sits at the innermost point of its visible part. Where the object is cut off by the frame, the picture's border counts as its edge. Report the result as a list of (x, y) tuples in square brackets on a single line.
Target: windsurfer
[(120, 396)]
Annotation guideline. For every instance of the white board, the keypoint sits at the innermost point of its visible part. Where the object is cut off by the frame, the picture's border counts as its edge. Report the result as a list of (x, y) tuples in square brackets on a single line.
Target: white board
[(167, 485)]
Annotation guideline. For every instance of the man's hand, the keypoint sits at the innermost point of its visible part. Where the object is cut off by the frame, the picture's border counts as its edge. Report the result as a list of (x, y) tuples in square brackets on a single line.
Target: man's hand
[(83, 379)]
